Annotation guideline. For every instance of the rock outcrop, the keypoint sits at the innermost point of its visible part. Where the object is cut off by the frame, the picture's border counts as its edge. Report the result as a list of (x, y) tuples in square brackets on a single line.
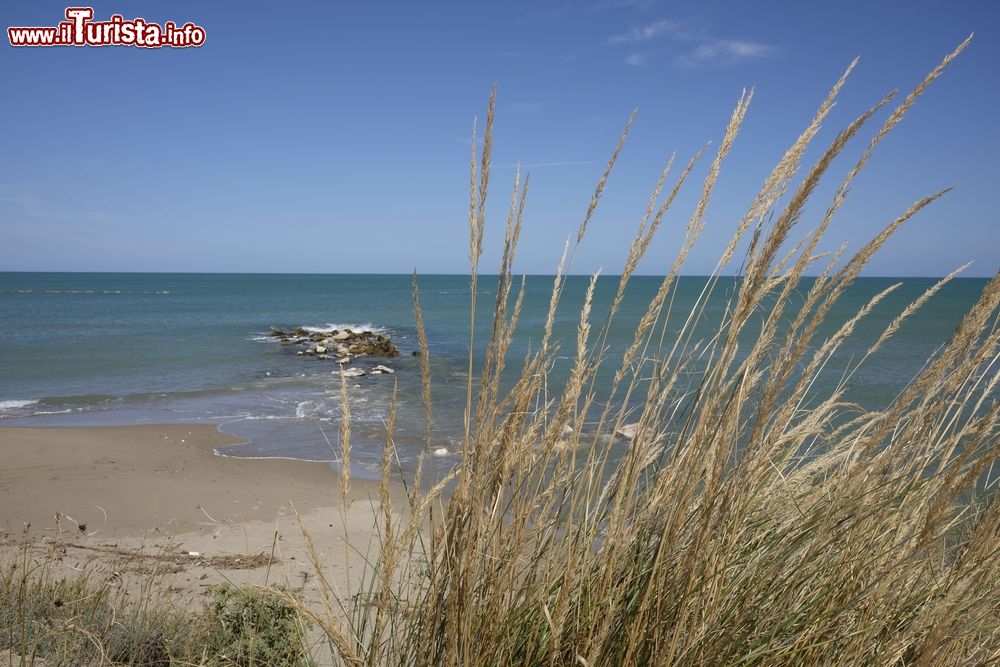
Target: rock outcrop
[(358, 343), (339, 347)]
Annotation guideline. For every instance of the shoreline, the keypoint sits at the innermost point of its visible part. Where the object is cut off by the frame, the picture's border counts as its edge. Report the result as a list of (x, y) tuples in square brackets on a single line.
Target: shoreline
[(124, 497)]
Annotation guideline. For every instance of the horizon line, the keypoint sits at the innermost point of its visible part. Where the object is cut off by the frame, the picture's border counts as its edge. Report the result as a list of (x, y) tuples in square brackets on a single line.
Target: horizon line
[(409, 274)]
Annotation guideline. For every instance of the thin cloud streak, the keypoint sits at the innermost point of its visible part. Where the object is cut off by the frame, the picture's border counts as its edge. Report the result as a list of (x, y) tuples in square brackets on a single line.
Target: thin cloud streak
[(637, 59), (710, 51), (724, 52), (544, 15), (536, 165), (661, 28), (640, 5)]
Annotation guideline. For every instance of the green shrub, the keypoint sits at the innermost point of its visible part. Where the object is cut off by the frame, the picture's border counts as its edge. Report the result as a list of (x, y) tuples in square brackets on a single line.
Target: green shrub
[(248, 627)]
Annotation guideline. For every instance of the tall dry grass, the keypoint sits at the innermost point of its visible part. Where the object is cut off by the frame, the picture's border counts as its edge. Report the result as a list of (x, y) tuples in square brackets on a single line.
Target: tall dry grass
[(751, 519)]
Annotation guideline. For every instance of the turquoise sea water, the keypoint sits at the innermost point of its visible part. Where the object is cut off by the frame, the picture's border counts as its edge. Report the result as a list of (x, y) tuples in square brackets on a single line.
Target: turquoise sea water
[(102, 349)]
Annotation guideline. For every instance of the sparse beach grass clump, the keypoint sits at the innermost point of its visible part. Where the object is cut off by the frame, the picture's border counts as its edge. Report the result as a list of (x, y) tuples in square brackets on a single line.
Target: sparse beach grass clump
[(750, 519), (51, 615), (49, 618)]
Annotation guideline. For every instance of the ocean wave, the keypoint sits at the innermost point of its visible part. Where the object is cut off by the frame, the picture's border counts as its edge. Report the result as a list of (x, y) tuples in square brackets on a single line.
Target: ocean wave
[(307, 409), (15, 404), (329, 327), (52, 290), (253, 418), (221, 454), (334, 326)]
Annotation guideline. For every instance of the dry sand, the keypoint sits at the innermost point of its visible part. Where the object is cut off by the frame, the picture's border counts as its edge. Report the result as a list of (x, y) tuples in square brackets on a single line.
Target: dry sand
[(146, 499)]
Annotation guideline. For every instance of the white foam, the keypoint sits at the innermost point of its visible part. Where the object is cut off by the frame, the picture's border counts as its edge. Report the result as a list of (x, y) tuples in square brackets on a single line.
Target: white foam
[(312, 410), (303, 409), (268, 458), (333, 326), (14, 405)]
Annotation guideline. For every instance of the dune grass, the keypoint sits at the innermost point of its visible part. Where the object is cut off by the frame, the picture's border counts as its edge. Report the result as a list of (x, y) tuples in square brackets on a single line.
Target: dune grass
[(750, 520)]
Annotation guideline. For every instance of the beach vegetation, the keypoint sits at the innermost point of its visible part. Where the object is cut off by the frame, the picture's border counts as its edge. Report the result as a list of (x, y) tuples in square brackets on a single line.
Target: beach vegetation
[(747, 516)]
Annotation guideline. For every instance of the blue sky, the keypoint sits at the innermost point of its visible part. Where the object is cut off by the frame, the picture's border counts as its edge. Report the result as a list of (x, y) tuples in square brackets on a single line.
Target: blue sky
[(333, 137)]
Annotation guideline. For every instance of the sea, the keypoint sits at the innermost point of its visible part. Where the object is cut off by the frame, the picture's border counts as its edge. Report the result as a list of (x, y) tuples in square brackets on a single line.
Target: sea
[(89, 349)]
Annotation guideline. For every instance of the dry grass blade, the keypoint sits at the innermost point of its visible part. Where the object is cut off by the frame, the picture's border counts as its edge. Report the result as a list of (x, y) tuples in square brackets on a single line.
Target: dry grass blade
[(425, 361), (345, 443)]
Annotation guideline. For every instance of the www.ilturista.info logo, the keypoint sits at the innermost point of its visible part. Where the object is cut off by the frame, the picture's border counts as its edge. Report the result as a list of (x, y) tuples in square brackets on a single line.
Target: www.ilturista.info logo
[(81, 30)]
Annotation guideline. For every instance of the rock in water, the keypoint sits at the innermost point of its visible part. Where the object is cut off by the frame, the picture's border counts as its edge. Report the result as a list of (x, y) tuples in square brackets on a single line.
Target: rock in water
[(337, 344), (382, 369), (440, 451), (351, 372), (566, 445), (628, 431)]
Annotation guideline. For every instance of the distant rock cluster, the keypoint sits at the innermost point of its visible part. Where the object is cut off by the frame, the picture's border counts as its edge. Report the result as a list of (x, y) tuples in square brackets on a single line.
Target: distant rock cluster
[(342, 347)]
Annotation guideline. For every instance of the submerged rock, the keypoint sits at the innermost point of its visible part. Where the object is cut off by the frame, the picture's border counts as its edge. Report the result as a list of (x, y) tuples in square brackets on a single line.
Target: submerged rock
[(627, 431), (351, 372), (566, 446)]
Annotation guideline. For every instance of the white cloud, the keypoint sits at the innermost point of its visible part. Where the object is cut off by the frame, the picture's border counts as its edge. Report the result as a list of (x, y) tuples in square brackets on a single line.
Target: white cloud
[(661, 28), (724, 52), (641, 5), (544, 15), (535, 165), (708, 51), (637, 59)]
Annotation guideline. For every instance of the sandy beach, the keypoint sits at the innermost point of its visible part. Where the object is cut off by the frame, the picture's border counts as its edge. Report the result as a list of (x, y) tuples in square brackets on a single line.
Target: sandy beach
[(155, 498)]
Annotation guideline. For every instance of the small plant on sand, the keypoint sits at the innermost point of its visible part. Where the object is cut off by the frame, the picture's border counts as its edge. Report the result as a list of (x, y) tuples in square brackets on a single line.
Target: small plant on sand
[(249, 628)]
